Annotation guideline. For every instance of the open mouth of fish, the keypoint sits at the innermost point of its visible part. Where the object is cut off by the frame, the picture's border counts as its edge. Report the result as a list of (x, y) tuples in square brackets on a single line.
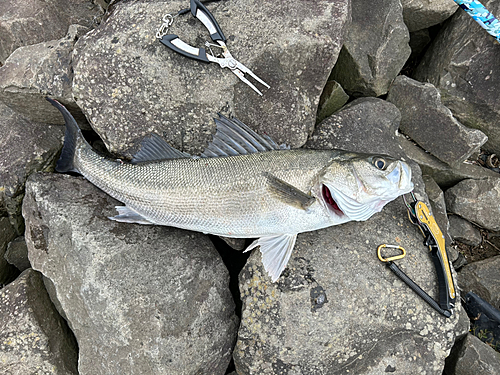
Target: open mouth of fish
[(328, 198)]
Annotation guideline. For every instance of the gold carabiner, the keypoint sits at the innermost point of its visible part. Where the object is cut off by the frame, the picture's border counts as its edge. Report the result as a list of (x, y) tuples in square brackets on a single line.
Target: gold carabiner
[(390, 259)]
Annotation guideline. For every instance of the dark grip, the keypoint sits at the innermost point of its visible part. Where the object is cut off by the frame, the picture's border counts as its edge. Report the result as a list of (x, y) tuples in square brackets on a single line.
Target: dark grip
[(199, 54), (394, 268), (444, 289), (216, 32)]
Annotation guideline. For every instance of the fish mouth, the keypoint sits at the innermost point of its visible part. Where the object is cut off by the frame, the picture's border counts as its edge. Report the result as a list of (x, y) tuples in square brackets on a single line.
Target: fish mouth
[(330, 202)]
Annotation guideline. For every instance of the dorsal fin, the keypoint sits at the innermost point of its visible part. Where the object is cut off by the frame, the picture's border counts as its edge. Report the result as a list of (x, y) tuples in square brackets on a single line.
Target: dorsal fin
[(154, 147), (235, 138)]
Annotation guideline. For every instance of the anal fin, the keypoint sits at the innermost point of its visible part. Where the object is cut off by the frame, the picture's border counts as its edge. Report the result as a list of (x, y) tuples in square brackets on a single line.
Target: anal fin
[(127, 215), (276, 251)]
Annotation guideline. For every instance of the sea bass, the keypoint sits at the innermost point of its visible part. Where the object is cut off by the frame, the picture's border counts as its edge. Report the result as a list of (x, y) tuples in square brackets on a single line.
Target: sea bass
[(243, 185)]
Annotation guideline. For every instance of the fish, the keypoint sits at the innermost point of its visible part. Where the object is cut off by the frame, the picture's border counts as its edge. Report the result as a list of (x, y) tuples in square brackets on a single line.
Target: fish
[(243, 185)]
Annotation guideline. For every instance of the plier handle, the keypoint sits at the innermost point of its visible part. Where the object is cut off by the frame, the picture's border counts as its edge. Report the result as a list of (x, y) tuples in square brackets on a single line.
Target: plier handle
[(173, 42), (420, 215)]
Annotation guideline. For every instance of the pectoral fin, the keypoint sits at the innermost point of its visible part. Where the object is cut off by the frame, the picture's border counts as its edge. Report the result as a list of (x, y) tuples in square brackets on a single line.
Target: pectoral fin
[(288, 193), (127, 215), (276, 251)]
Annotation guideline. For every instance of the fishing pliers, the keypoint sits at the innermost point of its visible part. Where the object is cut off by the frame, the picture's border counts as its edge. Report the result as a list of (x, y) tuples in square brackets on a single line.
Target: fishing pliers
[(173, 42)]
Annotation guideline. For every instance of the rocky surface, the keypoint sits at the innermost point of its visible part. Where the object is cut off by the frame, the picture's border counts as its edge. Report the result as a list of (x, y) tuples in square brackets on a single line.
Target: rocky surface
[(430, 124), (151, 300), (125, 78), (34, 339), (422, 14), (463, 231), (7, 234), (474, 357), (33, 72), (462, 64), (476, 201), (483, 279), (25, 147), (376, 32), (140, 299), (17, 254), (24, 23)]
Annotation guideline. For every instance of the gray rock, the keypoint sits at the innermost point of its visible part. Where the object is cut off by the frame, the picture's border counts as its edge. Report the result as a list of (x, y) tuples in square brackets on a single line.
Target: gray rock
[(375, 49), (332, 99), (364, 125), (482, 278), (24, 23), (129, 84), (463, 231), (422, 14), (476, 201), (473, 357), (444, 175), (429, 123), (418, 42), (337, 309), (17, 254), (25, 147), (33, 72), (140, 299), (462, 64), (7, 234), (34, 339)]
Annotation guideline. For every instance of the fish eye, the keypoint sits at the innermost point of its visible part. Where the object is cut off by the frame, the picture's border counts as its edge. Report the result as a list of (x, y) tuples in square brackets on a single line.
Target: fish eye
[(379, 163)]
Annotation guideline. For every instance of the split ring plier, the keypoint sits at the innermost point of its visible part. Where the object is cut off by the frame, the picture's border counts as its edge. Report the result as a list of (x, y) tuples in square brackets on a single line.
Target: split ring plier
[(173, 42)]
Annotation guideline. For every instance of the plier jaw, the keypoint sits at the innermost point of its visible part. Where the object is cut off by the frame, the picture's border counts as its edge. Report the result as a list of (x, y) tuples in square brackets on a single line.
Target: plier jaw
[(173, 42)]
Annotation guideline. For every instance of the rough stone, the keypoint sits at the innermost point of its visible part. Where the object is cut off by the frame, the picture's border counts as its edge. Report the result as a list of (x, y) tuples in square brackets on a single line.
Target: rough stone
[(129, 84), (482, 278), (33, 72), (25, 147), (476, 201), (375, 49), (473, 357), (429, 123), (29, 22), (140, 299), (364, 125), (462, 64), (463, 231), (332, 99), (422, 14), (34, 339), (17, 254), (337, 309), (419, 40), (444, 175), (7, 234)]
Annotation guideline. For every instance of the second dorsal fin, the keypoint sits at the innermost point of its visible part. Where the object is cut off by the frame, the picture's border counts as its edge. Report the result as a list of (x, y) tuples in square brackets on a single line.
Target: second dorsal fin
[(235, 138), (153, 147)]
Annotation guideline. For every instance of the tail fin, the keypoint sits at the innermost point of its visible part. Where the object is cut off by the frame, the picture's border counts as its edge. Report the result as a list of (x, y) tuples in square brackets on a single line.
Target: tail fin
[(73, 132)]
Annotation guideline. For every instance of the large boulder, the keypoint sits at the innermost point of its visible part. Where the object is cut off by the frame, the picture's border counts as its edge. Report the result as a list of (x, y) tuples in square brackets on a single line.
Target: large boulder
[(140, 299), (129, 84), (422, 14), (35, 71), (34, 339), (29, 22), (476, 201), (429, 123), (463, 64), (25, 147), (375, 49), (482, 278)]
